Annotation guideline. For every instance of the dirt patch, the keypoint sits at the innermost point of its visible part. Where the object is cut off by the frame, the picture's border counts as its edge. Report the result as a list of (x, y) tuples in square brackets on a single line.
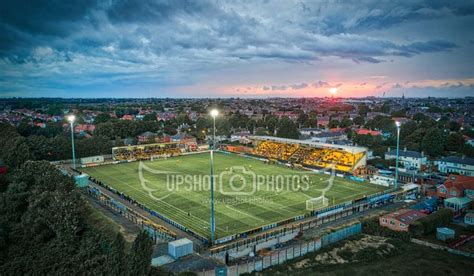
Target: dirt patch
[(302, 264), (357, 250)]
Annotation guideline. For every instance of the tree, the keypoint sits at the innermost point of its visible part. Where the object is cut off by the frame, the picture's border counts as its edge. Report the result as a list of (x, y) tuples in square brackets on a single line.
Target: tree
[(381, 122), (363, 110), (150, 117), (312, 120), (433, 142), (454, 142), (346, 122), (302, 118), (41, 211), (17, 152), (407, 128), (117, 259), (54, 109), (359, 120), (435, 109), (385, 108), (467, 150), (333, 123), (287, 129), (106, 129), (453, 126), (140, 255), (419, 117), (399, 113), (271, 123), (40, 147), (101, 118)]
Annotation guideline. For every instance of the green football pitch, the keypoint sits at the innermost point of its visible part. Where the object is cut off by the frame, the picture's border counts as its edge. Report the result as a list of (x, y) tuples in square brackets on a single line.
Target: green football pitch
[(249, 193)]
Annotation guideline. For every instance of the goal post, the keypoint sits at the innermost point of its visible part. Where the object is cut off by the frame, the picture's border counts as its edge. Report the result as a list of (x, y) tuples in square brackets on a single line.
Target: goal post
[(316, 203)]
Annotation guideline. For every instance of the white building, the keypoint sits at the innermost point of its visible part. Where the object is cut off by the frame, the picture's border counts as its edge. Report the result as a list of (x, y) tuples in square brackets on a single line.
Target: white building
[(326, 137), (383, 180), (309, 131), (409, 158), (242, 135), (455, 164)]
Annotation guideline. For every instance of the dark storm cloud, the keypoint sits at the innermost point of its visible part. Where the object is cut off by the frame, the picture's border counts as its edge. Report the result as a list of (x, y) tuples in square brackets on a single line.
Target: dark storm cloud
[(45, 17), (379, 14), (367, 59), (165, 41), (153, 11), (26, 23), (429, 46)]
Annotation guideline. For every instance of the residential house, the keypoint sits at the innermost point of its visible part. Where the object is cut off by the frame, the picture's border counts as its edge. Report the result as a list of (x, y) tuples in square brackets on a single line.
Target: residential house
[(81, 128), (409, 158), (364, 131), (326, 137), (309, 131), (469, 218), (183, 138), (127, 117), (401, 219), (458, 204), (323, 121), (147, 136), (456, 186), (455, 164), (240, 136)]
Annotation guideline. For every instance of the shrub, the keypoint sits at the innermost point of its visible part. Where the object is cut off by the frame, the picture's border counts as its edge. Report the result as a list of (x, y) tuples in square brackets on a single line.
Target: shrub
[(428, 224), (372, 227)]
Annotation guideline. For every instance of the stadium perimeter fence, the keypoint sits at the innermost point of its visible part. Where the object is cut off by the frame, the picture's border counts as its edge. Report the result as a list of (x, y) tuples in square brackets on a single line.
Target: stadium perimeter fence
[(156, 232), (311, 220), (322, 216), (279, 257)]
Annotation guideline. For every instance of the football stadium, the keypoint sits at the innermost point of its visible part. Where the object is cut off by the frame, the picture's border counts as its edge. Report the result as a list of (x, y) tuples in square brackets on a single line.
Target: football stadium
[(256, 188)]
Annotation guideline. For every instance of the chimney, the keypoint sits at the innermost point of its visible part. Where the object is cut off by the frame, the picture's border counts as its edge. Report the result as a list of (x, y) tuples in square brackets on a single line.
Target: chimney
[(405, 149), (422, 154), (388, 150)]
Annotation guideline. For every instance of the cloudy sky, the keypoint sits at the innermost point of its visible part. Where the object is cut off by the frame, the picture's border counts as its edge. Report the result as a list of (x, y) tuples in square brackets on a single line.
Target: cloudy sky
[(155, 48)]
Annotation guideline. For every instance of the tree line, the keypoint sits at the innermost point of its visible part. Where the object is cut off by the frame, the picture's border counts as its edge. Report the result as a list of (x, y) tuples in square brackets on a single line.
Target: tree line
[(44, 222)]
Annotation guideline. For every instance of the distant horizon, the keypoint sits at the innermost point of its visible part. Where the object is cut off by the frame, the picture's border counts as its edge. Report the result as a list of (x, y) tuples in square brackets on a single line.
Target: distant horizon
[(230, 97)]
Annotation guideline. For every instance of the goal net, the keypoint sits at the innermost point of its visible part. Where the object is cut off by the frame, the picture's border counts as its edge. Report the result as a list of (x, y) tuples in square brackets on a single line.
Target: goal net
[(316, 203)]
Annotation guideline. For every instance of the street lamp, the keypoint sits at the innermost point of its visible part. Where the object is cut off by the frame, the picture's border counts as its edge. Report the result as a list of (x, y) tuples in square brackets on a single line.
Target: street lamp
[(71, 118), (214, 114), (397, 123)]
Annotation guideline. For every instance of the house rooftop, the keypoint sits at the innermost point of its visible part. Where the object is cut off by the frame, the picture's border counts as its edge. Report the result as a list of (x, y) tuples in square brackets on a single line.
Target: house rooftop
[(329, 134), (406, 216), (458, 200), (406, 153), (460, 181), (458, 160)]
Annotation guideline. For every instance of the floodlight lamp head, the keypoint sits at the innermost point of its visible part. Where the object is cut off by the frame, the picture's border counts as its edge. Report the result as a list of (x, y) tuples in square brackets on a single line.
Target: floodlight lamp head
[(214, 113), (71, 118), (397, 123)]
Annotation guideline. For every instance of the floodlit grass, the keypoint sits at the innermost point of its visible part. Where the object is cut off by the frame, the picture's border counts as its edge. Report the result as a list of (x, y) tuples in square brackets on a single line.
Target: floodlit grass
[(258, 203)]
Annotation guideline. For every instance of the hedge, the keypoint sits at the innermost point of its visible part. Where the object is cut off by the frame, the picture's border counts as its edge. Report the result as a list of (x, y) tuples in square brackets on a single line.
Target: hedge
[(428, 224)]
